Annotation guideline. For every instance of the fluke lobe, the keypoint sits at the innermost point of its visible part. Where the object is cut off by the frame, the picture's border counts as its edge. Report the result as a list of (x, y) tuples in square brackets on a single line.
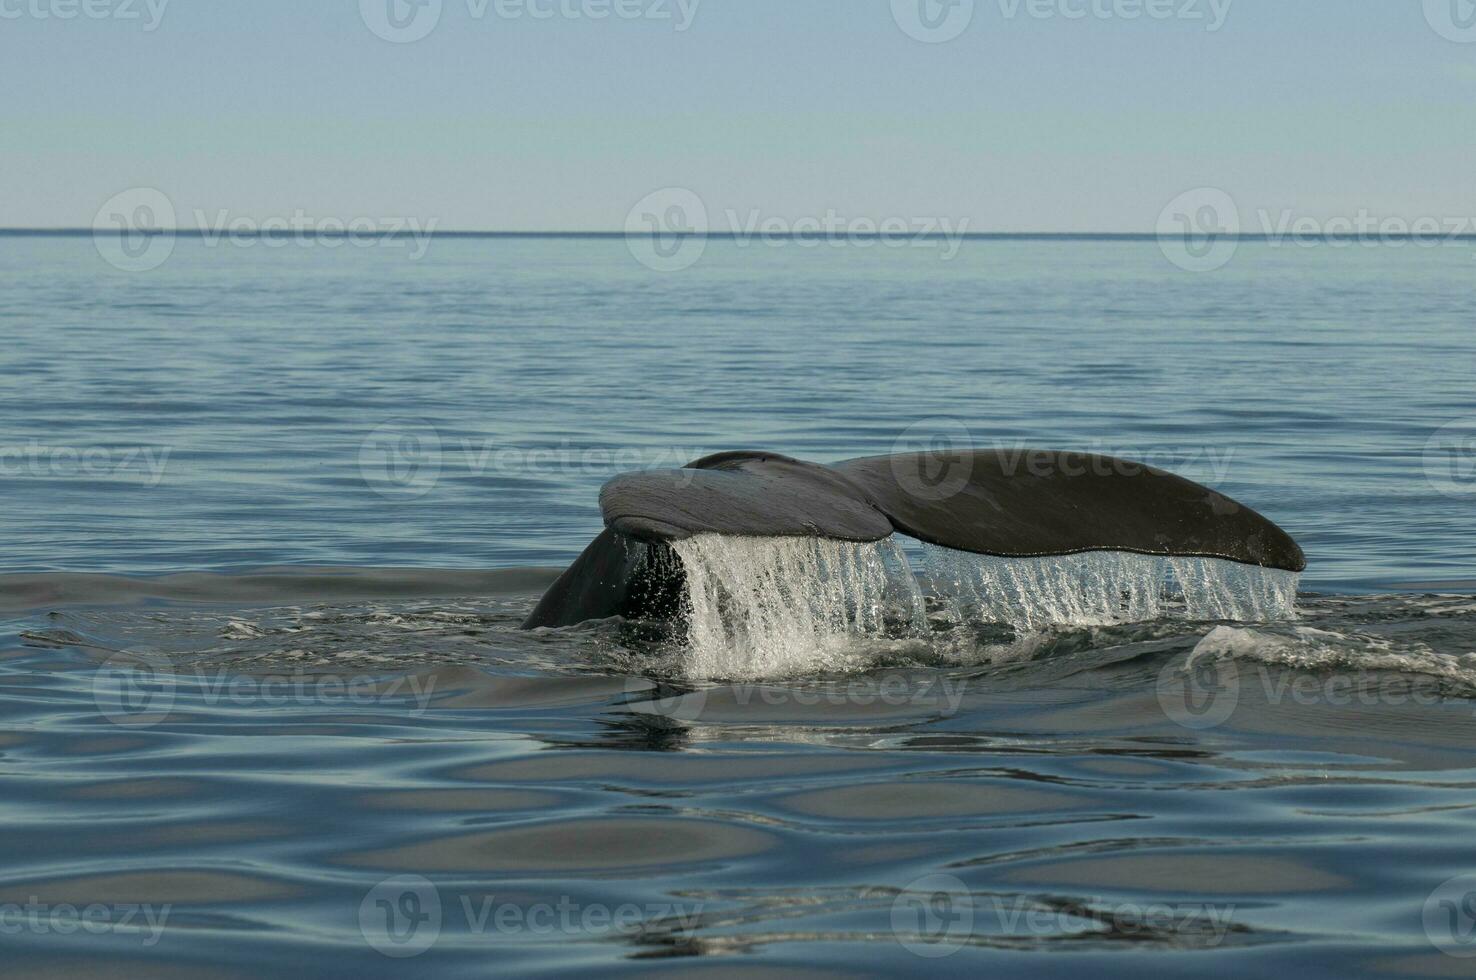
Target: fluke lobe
[(1009, 503)]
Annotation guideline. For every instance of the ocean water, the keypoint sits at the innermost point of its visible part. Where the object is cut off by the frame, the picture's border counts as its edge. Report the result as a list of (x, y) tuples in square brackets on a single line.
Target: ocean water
[(273, 513)]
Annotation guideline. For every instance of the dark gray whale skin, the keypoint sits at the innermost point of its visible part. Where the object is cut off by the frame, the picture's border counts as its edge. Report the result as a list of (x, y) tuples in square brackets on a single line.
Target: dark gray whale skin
[(1011, 503)]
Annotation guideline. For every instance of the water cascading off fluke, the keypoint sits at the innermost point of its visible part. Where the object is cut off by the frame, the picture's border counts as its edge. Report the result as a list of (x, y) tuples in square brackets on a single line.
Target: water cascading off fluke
[(763, 607)]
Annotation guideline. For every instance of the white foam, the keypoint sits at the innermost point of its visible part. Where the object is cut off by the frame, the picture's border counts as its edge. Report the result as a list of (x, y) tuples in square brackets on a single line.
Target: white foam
[(768, 607), (1309, 649), (1214, 589), (1104, 587)]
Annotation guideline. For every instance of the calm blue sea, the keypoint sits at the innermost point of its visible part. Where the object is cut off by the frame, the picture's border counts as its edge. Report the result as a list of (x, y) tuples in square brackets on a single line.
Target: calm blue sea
[(272, 512)]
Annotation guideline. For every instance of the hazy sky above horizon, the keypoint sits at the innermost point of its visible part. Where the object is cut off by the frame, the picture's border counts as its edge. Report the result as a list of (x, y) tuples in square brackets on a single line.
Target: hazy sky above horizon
[(1031, 118)]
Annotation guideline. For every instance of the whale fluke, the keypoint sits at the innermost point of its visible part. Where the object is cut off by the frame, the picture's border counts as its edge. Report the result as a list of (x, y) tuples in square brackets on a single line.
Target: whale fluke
[(1009, 503), (749, 494), (1032, 503)]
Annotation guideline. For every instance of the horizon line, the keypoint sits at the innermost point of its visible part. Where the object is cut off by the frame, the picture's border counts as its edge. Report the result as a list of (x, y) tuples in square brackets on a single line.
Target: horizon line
[(83, 232)]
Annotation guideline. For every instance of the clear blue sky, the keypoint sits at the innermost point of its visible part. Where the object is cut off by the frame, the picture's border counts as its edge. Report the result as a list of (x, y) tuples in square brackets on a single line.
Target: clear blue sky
[(788, 107)]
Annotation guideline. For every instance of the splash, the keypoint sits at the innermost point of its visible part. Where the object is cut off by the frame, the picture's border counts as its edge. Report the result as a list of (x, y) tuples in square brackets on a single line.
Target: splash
[(1214, 589), (1106, 587), (1309, 649), (768, 607)]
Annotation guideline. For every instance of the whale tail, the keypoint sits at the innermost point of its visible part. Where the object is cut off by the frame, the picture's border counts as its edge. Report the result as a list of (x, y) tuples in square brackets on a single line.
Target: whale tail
[(1025, 503)]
